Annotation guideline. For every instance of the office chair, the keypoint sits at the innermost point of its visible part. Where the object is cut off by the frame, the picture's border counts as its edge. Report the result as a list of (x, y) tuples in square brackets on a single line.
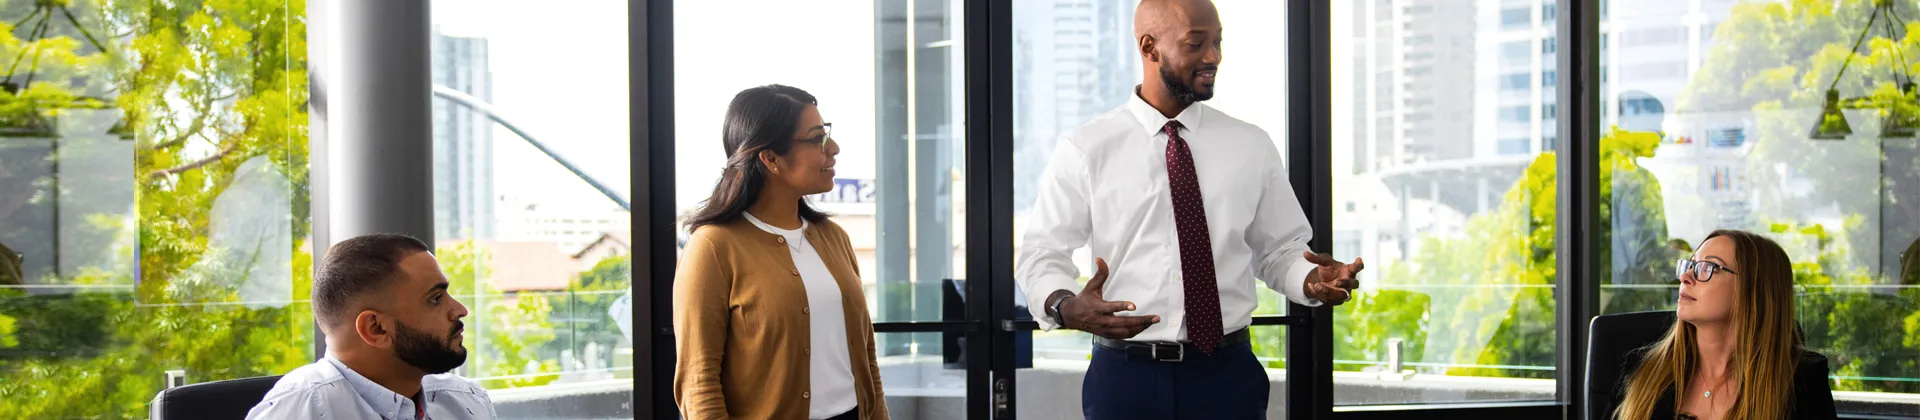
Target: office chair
[(212, 400), (1609, 339)]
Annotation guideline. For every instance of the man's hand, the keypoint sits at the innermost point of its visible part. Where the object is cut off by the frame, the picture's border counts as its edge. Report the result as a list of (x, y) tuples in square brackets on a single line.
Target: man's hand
[(1089, 311), (1333, 281)]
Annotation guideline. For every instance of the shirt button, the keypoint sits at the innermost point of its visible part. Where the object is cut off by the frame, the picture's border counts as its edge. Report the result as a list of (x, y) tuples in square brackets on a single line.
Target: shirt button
[(805, 394)]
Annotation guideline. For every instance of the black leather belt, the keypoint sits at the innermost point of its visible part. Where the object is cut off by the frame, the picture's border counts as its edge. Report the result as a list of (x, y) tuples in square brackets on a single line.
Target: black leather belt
[(1162, 351)]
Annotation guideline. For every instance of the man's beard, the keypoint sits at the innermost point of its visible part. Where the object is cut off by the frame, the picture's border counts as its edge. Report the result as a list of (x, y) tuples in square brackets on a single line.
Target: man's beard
[(426, 352), (1182, 91)]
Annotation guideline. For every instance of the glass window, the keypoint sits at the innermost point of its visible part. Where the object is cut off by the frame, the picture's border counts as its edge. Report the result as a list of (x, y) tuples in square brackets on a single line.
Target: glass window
[(1516, 53), (888, 76), (1517, 113), (1048, 106), (198, 109), (1456, 304), (1516, 82), (1723, 149), (1516, 17), (537, 253), (1514, 146)]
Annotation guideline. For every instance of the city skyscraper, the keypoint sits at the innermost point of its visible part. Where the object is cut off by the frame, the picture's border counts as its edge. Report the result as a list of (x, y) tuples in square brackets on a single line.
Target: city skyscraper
[(1416, 68), (1078, 62), (463, 195)]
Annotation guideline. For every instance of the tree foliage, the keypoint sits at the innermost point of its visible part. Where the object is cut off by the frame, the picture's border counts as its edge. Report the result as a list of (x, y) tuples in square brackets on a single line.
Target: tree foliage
[(200, 89), (1769, 68)]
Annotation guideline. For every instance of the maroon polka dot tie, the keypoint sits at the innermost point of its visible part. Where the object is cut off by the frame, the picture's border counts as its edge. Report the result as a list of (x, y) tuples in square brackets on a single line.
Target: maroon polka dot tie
[(1196, 247)]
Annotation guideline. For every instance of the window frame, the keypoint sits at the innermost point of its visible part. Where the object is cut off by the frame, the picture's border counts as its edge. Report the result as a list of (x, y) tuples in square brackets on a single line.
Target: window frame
[(988, 26)]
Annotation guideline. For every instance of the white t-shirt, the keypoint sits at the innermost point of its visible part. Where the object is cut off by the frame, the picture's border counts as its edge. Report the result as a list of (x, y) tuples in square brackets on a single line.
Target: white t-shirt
[(831, 382)]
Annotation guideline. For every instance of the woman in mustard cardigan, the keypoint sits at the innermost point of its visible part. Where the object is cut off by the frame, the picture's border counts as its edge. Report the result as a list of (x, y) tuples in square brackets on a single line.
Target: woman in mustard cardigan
[(768, 316)]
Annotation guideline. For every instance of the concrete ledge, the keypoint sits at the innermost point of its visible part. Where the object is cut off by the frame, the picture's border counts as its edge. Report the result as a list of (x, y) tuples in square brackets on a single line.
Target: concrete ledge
[(602, 399)]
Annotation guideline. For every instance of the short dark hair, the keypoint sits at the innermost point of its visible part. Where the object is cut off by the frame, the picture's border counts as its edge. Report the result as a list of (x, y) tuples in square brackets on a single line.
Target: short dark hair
[(355, 267)]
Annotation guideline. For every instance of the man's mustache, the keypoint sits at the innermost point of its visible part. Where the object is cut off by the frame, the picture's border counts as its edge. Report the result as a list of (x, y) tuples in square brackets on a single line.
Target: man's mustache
[(1206, 67), (458, 327)]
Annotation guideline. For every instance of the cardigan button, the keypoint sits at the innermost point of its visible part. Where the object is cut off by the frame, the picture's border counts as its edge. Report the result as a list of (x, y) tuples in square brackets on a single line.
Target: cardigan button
[(796, 272), (806, 394), (780, 239), (806, 310)]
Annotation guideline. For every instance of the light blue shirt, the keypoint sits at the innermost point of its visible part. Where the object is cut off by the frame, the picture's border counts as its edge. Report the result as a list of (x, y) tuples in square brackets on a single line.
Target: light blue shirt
[(327, 389)]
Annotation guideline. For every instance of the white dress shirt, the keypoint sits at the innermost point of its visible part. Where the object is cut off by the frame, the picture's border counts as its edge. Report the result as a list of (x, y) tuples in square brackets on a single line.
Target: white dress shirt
[(327, 389), (1106, 188), (830, 376)]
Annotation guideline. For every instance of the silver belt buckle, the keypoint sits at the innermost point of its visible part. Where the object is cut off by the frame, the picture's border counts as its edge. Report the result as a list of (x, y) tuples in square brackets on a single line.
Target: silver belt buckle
[(1180, 354)]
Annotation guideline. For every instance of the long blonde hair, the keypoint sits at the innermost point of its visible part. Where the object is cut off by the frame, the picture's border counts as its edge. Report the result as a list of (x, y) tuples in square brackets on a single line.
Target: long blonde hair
[(1765, 354)]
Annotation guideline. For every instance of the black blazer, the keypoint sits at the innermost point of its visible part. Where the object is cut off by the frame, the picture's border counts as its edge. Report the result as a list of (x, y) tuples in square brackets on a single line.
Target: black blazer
[(1812, 397)]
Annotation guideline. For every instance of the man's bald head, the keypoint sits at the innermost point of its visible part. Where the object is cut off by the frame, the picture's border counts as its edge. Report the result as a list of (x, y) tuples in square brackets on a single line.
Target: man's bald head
[(1179, 43), (1164, 18)]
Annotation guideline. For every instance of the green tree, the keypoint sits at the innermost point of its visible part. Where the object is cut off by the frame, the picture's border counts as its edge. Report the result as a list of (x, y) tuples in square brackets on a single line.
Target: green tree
[(1772, 64), (1496, 282), (589, 297), (202, 88), (509, 328), (1769, 66)]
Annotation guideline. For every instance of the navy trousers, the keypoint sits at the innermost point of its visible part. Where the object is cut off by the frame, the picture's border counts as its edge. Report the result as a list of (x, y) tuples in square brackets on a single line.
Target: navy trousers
[(1228, 385)]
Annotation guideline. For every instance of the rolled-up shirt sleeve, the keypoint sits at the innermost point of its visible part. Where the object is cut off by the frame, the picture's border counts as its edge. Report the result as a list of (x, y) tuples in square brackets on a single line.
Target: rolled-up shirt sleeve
[(1279, 236), (1059, 223)]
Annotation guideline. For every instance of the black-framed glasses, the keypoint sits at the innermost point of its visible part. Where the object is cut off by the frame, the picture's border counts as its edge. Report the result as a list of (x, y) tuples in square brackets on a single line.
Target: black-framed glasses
[(826, 133), (1702, 270)]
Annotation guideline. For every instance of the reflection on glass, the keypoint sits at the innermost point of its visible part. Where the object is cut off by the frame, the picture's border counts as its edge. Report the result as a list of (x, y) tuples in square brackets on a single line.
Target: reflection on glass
[(1445, 183), (153, 200), (1725, 139), (539, 253)]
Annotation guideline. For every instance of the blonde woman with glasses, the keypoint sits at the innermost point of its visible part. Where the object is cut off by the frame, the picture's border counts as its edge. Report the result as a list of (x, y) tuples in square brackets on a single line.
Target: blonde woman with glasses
[(1734, 351)]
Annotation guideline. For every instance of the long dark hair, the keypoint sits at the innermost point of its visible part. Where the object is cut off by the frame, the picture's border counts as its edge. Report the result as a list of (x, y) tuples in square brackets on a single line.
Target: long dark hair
[(1765, 354), (759, 118)]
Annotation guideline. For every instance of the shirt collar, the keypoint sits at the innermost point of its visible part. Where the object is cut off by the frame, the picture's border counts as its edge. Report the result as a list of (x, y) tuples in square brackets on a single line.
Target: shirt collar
[(384, 401), (1152, 121)]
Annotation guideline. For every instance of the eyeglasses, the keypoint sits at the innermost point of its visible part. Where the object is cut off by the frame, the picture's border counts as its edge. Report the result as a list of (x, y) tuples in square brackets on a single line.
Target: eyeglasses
[(1702, 270), (826, 133)]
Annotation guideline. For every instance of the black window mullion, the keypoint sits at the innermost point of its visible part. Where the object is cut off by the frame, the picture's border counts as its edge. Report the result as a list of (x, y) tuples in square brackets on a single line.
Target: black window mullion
[(1577, 30), (651, 86), (988, 77), (1310, 157)]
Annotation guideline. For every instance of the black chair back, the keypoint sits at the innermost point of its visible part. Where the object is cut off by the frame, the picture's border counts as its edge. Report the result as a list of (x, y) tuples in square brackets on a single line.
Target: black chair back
[(1609, 339), (212, 400)]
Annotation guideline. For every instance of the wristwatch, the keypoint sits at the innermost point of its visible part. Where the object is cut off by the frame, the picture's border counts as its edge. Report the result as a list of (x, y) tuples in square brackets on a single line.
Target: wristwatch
[(1054, 310)]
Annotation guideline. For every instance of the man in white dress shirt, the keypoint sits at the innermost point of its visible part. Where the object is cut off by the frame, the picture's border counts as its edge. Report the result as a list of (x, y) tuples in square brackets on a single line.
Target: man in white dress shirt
[(1189, 206), (393, 332)]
